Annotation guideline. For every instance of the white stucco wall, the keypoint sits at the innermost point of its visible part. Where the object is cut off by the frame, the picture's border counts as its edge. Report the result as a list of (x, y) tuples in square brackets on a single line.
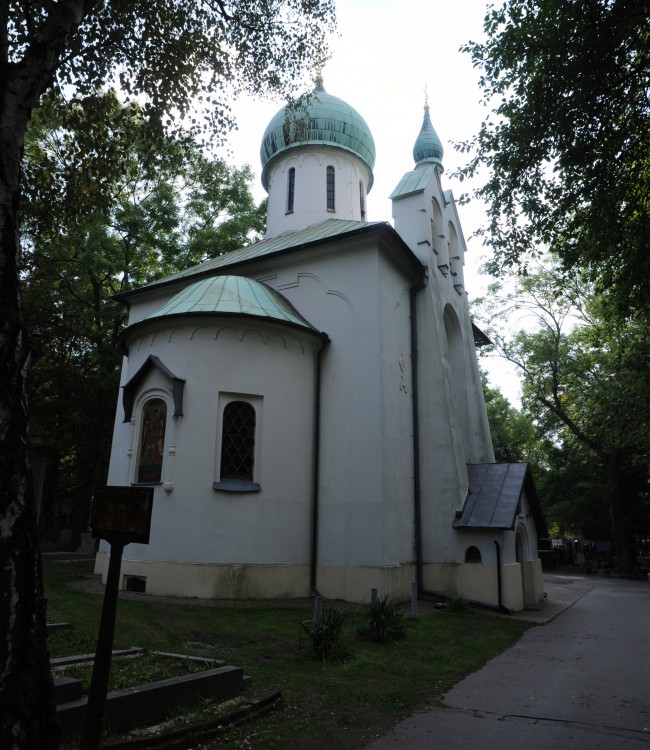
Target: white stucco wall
[(453, 421), (274, 369), (310, 193), (360, 298)]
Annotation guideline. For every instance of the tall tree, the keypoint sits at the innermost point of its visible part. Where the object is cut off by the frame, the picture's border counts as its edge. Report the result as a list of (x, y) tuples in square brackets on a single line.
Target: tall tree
[(109, 202), (172, 54), (566, 146), (513, 432), (585, 381)]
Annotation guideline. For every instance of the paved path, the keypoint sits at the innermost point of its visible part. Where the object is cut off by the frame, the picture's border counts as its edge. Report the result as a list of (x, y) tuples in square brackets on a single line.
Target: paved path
[(582, 680)]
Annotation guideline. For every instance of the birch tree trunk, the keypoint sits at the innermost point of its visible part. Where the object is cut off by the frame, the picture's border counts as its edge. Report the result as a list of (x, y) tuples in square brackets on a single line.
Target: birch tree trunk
[(26, 713), (27, 718)]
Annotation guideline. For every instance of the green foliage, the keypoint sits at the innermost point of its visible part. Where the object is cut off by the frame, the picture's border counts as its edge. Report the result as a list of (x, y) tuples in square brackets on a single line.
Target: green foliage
[(458, 606), (567, 143), (513, 432), (572, 492), (109, 203), (324, 638), (185, 60), (585, 371), (384, 621)]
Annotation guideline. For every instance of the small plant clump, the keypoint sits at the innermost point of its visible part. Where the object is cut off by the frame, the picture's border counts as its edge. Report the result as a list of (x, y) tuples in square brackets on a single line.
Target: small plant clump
[(385, 621), (458, 606), (324, 637)]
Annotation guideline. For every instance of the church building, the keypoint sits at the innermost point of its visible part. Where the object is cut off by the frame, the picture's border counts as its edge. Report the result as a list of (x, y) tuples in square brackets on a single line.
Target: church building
[(308, 409)]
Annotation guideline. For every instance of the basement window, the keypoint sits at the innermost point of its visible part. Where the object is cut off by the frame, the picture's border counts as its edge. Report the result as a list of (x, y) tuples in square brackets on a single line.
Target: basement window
[(135, 583)]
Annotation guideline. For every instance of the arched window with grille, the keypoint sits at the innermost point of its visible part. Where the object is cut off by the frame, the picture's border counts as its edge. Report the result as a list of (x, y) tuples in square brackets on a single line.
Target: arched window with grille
[(152, 441), (473, 555), (237, 448), (330, 188)]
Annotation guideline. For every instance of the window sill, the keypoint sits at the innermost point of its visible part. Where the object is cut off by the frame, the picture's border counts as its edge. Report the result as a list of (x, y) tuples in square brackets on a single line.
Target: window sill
[(145, 484), (236, 485)]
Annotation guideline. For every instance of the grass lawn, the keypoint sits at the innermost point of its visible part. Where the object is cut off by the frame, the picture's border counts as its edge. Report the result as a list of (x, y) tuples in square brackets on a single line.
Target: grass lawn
[(341, 705)]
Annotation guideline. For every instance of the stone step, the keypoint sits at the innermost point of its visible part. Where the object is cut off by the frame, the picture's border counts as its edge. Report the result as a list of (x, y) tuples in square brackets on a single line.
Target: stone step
[(66, 689), (147, 704)]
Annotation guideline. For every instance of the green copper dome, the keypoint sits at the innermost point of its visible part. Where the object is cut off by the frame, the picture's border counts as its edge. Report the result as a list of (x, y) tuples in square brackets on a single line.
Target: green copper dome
[(320, 119), (229, 295), (428, 147)]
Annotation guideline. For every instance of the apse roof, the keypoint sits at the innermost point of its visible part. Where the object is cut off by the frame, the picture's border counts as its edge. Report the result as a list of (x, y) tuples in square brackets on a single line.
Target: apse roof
[(228, 295), (494, 494)]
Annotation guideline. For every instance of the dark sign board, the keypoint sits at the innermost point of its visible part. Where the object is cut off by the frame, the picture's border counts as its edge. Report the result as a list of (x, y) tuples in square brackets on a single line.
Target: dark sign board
[(122, 513)]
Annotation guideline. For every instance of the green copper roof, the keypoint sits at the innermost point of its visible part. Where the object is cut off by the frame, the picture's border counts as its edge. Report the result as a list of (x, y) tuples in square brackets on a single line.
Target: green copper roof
[(230, 295), (320, 119), (428, 147), (317, 236), (414, 181), (321, 232)]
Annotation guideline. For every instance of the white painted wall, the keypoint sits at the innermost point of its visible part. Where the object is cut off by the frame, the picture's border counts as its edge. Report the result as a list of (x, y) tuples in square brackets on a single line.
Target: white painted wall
[(191, 522), (310, 196), (358, 297)]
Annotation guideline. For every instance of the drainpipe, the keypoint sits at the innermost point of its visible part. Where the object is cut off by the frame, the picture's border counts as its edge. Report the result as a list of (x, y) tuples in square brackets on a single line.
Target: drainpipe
[(417, 508), (499, 583), (313, 562)]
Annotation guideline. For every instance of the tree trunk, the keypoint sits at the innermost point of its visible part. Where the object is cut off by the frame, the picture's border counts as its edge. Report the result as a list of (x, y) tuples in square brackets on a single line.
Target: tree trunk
[(622, 539), (26, 708)]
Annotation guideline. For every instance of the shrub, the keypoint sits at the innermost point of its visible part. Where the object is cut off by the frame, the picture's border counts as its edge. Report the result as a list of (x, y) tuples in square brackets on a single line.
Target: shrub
[(325, 637), (385, 621)]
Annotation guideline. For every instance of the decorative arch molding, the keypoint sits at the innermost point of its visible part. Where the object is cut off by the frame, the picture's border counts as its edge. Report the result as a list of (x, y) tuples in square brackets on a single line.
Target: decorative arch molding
[(313, 277), (522, 548), (252, 336), (215, 334), (456, 350), (130, 388)]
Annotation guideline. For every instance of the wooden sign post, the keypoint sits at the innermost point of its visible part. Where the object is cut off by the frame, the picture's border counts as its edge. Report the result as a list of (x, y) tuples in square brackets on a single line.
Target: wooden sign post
[(121, 515)]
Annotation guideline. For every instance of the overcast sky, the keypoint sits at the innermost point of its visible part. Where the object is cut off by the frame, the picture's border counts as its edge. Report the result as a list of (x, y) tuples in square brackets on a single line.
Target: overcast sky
[(387, 54)]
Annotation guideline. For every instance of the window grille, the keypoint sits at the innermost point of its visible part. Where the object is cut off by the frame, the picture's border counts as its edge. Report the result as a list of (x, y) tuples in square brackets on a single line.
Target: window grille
[(238, 441), (291, 187), (330, 188)]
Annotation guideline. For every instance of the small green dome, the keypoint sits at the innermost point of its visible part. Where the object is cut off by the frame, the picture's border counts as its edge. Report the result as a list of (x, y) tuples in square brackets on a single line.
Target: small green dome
[(229, 295), (428, 147), (320, 119)]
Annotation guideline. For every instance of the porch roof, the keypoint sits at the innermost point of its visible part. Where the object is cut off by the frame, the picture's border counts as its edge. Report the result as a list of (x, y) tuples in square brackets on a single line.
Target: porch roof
[(494, 494)]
